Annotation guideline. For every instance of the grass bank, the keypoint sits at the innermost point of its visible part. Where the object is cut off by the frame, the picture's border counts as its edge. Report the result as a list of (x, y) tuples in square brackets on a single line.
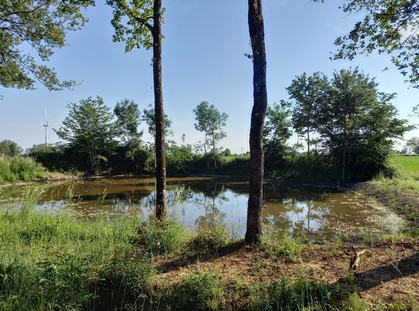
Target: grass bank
[(400, 192), (17, 168), (57, 262)]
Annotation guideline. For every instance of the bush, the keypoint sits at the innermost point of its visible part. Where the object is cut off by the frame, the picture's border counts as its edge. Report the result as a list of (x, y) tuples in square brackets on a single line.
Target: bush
[(20, 168)]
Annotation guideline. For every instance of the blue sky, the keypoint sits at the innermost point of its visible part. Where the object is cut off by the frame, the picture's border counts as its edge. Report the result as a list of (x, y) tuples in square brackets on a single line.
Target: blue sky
[(203, 59)]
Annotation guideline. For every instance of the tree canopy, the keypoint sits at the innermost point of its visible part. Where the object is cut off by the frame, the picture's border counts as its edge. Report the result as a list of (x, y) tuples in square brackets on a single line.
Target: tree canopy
[(10, 148), (210, 121), (89, 128), (30, 30), (387, 27), (356, 124), (128, 119)]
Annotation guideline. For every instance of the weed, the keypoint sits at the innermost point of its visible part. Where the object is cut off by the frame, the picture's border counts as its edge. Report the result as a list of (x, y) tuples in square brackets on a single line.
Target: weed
[(161, 238), (302, 293), (209, 238), (280, 244), (200, 291), (354, 303)]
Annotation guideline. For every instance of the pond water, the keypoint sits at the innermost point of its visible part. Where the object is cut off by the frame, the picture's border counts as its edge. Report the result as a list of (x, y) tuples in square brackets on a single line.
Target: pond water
[(315, 213)]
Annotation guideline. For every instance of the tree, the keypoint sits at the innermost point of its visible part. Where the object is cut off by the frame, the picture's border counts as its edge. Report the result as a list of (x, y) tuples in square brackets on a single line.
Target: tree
[(357, 124), (413, 144), (90, 129), (29, 33), (143, 29), (306, 92), (260, 102), (389, 27), (10, 148), (149, 117), (210, 121), (129, 151), (128, 119), (276, 133)]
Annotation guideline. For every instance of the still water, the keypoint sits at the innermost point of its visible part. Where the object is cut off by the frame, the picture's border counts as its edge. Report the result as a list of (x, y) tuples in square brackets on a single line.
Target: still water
[(315, 213)]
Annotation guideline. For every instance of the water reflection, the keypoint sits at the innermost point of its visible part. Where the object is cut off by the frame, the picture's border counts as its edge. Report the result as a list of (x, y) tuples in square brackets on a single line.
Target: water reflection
[(310, 212)]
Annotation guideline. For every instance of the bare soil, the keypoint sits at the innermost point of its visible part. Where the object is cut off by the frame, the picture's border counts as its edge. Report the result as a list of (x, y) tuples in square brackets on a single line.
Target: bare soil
[(388, 272)]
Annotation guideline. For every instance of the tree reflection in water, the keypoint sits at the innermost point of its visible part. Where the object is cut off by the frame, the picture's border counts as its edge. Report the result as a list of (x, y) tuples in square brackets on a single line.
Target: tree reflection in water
[(313, 213)]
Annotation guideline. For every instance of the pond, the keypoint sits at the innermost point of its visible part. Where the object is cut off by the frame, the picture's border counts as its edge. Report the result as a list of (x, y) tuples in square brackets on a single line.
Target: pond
[(314, 213)]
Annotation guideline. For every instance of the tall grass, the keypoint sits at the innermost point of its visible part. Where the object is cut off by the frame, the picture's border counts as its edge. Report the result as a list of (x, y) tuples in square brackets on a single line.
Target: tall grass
[(50, 262), (20, 168), (301, 293)]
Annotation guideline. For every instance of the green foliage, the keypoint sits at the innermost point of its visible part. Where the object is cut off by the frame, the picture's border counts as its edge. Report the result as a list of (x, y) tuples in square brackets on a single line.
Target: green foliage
[(302, 293), (52, 261), (200, 291), (137, 32), (277, 243), (276, 133), (413, 144), (128, 120), (57, 158), (9, 148), (210, 121), (209, 238), (179, 159), (387, 27), (149, 117), (356, 123), (42, 26), (161, 238), (90, 129), (20, 168), (354, 303)]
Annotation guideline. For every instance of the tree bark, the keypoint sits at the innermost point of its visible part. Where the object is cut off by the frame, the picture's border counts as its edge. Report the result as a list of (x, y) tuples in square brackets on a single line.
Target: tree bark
[(260, 100), (161, 209)]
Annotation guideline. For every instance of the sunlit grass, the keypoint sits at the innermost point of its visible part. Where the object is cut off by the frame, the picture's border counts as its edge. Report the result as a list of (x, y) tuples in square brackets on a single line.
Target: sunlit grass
[(405, 176), (20, 168)]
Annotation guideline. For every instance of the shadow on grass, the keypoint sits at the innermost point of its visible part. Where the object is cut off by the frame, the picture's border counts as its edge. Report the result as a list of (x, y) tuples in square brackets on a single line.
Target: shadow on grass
[(185, 261)]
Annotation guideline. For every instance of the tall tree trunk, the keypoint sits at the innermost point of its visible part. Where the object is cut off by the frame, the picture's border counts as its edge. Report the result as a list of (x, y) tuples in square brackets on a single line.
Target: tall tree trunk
[(159, 113), (260, 101)]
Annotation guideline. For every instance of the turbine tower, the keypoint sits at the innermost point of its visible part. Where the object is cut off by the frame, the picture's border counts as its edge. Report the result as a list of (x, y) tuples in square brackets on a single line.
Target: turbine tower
[(46, 127)]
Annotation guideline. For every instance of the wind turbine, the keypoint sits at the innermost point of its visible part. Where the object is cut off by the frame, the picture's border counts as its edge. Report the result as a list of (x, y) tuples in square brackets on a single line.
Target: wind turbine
[(46, 127)]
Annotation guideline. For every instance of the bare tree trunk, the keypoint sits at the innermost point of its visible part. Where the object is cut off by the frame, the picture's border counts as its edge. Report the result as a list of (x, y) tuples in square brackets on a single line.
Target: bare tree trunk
[(159, 113), (260, 101)]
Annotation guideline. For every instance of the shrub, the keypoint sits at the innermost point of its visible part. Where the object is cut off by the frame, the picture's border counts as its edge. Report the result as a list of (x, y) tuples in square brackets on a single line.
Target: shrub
[(20, 168)]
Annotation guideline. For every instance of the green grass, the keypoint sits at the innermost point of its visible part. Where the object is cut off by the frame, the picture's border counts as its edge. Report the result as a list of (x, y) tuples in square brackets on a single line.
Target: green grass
[(408, 163), (200, 291), (49, 261), (404, 175), (302, 293), (56, 262), (13, 169)]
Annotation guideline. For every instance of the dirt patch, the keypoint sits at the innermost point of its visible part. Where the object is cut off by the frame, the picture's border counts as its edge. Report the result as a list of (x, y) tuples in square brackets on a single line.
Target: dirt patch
[(387, 272)]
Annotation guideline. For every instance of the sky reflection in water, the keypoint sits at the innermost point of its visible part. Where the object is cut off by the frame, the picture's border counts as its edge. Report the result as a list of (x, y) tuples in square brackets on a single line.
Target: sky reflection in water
[(314, 213)]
